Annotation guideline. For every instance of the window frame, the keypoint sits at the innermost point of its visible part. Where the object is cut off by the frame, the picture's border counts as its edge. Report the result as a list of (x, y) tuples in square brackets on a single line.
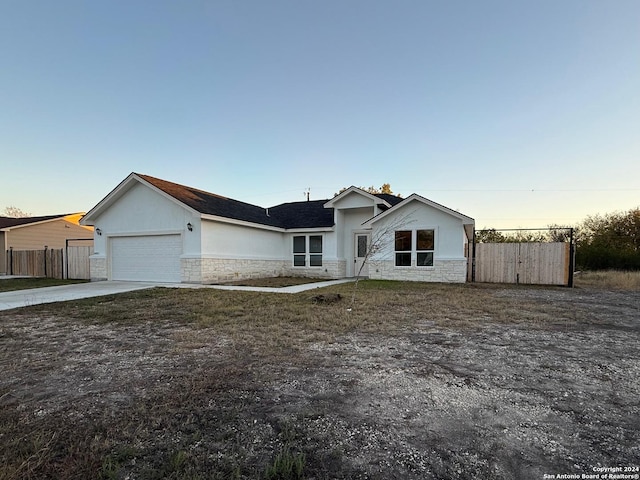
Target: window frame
[(431, 251), (414, 252), (310, 257)]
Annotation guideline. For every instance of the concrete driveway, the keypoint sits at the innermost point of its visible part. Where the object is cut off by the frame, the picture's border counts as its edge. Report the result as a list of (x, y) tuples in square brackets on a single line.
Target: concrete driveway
[(62, 293)]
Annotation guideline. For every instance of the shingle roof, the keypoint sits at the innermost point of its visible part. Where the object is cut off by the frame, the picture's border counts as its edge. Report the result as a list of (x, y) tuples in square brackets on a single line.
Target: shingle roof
[(303, 214), (287, 215), (390, 199), (212, 204), (308, 214), (6, 222)]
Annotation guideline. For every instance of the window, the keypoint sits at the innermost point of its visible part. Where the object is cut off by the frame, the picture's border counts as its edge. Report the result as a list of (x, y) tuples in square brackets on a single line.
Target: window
[(425, 247), (403, 248), (299, 251), (307, 250), (414, 243)]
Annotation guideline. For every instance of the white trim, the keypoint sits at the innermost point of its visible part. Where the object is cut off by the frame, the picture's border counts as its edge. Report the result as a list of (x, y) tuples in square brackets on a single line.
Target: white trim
[(143, 233), (242, 223), (311, 230), (353, 189)]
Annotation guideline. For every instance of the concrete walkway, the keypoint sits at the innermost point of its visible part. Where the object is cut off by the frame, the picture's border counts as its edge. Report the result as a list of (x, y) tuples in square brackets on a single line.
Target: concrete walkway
[(63, 293), (292, 289)]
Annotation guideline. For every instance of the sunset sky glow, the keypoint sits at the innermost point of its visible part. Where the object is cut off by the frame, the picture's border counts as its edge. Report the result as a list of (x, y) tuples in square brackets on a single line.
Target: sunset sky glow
[(518, 114)]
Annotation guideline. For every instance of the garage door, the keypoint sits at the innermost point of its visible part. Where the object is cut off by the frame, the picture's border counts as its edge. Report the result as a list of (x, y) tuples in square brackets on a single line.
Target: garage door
[(153, 258)]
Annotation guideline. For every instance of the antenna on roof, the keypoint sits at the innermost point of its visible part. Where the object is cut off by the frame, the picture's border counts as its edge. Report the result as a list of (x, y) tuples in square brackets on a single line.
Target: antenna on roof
[(307, 193)]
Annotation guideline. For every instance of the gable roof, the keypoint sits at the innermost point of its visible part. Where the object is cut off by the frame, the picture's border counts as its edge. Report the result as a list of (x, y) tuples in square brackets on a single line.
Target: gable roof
[(383, 200), (467, 222), (10, 222)]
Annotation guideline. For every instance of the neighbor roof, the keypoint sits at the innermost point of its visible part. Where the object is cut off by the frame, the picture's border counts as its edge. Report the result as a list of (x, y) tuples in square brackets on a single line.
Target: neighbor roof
[(8, 222)]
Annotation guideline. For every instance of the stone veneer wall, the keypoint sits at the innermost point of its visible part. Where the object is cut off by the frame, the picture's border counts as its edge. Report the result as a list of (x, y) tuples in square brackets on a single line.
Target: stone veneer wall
[(330, 269), (214, 270), (98, 268), (447, 271)]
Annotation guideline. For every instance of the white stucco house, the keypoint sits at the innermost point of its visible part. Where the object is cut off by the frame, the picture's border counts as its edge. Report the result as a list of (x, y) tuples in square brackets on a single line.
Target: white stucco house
[(148, 229)]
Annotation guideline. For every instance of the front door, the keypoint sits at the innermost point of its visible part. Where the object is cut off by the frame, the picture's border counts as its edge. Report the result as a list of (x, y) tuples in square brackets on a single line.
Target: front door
[(361, 249)]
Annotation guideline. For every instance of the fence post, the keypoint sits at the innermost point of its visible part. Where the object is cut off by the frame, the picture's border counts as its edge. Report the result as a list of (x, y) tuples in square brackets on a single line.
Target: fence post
[(10, 260), (572, 258), (45, 261)]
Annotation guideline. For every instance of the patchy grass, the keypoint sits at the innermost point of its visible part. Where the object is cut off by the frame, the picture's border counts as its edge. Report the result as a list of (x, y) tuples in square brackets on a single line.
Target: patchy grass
[(615, 279), (12, 284), (417, 381)]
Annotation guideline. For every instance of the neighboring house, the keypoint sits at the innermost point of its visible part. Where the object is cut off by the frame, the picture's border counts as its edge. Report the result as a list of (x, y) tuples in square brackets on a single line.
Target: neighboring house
[(152, 229), (36, 233)]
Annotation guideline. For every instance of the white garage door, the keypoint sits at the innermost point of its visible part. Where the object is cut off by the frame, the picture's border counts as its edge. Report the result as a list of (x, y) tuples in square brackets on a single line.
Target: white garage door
[(153, 258)]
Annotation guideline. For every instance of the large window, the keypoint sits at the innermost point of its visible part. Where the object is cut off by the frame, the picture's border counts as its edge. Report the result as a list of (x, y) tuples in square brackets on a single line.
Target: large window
[(307, 250), (403, 248), (424, 248), (418, 244)]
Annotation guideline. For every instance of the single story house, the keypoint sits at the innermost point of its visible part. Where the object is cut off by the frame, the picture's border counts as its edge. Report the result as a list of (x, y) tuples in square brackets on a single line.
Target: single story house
[(148, 229), (36, 233)]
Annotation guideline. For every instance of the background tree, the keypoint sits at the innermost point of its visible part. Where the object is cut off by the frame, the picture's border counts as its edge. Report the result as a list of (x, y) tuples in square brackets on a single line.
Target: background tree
[(610, 241), (14, 212), (385, 188)]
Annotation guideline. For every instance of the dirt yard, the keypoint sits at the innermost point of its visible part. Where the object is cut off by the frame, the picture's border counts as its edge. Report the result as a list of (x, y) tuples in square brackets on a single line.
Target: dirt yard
[(410, 382)]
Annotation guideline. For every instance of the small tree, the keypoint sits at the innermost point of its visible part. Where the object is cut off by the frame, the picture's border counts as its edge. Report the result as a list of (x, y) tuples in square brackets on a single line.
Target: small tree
[(378, 239)]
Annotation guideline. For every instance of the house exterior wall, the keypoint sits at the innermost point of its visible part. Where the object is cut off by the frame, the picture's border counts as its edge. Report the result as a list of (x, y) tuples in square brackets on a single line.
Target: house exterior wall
[(352, 221), (450, 264), (141, 211), (233, 252), (332, 265)]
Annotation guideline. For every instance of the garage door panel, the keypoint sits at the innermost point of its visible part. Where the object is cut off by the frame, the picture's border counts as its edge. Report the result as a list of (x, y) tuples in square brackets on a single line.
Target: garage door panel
[(153, 258)]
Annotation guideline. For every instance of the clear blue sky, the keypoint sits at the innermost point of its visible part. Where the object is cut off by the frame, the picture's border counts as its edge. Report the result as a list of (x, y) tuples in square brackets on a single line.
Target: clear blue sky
[(516, 113)]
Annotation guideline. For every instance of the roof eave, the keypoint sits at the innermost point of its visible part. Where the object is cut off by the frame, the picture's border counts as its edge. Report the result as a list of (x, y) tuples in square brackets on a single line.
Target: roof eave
[(243, 223), (415, 197), (123, 187), (352, 189)]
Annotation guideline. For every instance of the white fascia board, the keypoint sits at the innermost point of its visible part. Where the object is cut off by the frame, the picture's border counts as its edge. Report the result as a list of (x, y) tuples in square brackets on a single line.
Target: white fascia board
[(119, 191), (243, 223), (352, 189), (310, 230)]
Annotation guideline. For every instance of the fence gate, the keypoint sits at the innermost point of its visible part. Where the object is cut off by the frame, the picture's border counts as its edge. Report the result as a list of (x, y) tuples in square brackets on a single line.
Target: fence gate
[(529, 263)]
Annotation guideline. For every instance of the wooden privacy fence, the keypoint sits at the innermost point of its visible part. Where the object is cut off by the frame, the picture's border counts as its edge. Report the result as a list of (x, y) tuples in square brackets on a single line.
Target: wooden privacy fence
[(527, 262), (77, 263), (69, 262)]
